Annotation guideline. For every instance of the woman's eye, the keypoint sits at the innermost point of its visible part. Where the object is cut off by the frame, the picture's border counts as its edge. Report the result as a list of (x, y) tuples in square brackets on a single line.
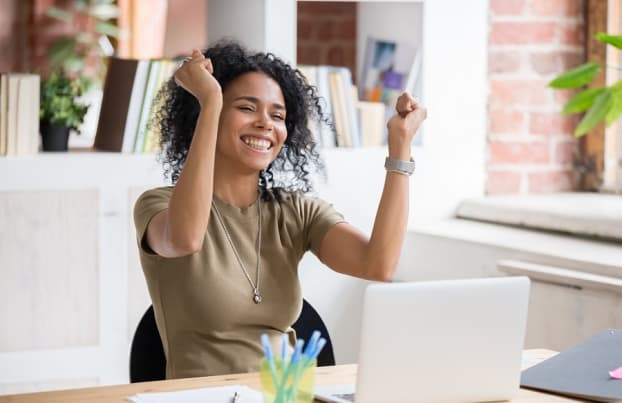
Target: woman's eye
[(246, 108), (278, 116)]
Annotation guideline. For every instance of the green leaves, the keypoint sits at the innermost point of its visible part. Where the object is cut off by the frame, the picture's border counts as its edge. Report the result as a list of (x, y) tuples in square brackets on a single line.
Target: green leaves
[(581, 101), (93, 23), (601, 104), (576, 77), (597, 112), (58, 103), (610, 39)]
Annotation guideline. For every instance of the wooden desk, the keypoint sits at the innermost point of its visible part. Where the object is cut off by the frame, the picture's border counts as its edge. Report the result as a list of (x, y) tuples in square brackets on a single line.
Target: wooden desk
[(339, 374)]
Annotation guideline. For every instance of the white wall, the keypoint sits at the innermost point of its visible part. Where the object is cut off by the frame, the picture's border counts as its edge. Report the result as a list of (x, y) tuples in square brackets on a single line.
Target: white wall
[(450, 160), (259, 24)]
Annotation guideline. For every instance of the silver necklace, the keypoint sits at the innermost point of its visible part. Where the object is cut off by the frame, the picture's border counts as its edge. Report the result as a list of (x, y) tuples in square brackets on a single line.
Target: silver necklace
[(256, 295)]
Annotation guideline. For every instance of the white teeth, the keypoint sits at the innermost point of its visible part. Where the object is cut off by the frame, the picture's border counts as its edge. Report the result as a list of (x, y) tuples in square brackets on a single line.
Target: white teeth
[(259, 144)]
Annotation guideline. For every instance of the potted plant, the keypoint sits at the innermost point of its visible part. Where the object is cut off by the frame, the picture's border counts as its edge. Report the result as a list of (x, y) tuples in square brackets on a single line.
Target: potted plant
[(59, 110)]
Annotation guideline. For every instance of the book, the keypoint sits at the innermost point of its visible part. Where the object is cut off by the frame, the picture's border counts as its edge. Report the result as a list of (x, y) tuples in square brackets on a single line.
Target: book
[(152, 137), (310, 74), (12, 113), (343, 103), (327, 131), (115, 107), (582, 371), (4, 101), (147, 101), (135, 106), (339, 110), (371, 122), (27, 109)]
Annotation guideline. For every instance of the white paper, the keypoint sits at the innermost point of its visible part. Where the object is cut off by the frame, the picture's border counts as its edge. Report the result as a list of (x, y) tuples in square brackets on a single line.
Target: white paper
[(221, 394)]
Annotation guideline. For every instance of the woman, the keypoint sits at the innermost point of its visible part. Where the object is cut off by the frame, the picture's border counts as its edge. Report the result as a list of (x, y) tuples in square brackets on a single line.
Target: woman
[(220, 248)]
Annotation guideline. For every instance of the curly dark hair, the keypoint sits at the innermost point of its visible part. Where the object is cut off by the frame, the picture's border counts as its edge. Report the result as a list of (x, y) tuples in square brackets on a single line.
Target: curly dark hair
[(177, 111)]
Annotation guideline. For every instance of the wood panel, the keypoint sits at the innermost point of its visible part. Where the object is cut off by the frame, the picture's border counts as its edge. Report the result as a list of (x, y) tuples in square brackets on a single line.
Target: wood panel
[(49, 279), (592, 145)]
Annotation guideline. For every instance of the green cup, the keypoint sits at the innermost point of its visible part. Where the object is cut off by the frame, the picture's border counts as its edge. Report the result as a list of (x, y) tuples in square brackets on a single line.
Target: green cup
[(298, 387)]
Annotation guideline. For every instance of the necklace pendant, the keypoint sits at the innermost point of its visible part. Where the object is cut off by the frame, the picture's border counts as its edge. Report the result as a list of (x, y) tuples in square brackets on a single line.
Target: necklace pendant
[(257, 297)]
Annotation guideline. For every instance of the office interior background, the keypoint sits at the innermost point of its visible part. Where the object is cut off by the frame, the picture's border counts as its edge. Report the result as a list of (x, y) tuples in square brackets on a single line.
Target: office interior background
[(502, 185)]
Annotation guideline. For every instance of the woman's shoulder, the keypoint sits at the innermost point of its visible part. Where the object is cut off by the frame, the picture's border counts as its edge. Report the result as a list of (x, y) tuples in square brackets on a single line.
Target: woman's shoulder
[(162, 191), (154, 196)]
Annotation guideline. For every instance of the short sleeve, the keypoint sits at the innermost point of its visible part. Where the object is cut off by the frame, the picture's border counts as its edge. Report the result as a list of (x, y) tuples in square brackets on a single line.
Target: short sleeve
[(318, 217), (147, 206)]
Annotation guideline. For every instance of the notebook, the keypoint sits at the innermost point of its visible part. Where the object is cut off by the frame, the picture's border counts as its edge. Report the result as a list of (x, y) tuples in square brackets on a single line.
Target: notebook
[(439, 341), (582, 371)]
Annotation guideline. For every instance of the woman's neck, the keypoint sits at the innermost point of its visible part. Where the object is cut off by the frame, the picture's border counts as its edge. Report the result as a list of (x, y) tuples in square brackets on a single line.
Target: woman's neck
[(237, 190)]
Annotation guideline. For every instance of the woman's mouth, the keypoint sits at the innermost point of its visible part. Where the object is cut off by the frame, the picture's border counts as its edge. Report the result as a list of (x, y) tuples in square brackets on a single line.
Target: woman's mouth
[(256, 143)]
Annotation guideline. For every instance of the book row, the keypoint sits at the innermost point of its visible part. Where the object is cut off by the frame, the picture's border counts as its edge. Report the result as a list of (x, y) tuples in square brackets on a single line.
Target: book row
[(19, 114)]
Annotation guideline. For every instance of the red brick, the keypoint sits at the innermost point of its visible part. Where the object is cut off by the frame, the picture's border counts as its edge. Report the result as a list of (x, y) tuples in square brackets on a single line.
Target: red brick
[(556, 8), (326, 8), (546, 182), (503, 182), (513, 92), (514, 152), (503, 62), (304, 29), (572, 34), (506, 121), (326, 30), (518, 33), (555, 62), (550, 123), (507, 7), (346, 29), (336, 56), (565, 152), (308, 54)]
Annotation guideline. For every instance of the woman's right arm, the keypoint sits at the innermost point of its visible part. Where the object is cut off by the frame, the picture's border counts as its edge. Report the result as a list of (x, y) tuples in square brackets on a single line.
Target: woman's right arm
[(180, 229)]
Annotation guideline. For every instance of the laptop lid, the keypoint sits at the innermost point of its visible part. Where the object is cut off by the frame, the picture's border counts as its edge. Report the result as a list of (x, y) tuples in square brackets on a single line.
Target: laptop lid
[(442, 341)]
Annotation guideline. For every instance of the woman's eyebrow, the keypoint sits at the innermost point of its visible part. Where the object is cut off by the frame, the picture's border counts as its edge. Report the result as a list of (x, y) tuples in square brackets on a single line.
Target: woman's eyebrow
[(256, 100)]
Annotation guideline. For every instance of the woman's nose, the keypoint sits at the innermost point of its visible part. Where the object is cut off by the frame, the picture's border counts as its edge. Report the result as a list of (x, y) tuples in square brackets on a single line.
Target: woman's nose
[(263, 122)]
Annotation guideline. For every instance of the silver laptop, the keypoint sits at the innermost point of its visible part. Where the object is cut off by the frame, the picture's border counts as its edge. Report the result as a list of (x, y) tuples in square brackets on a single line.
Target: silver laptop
[(439, 341)]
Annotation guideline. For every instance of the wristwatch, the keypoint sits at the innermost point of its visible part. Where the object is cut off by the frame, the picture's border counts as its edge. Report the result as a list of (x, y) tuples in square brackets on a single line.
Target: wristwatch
[(399, 166)]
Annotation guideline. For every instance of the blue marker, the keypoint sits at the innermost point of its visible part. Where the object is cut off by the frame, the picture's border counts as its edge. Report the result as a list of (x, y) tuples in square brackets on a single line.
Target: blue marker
[(320, 345), (265, 342), (284, 344), (312, 343)]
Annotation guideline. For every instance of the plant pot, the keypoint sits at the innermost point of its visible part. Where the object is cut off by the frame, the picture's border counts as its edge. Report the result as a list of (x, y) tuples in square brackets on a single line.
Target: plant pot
[(54, 137)]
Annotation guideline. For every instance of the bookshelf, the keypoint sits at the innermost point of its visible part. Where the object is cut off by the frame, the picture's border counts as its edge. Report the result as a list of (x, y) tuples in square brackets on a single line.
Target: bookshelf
[(80, 203)]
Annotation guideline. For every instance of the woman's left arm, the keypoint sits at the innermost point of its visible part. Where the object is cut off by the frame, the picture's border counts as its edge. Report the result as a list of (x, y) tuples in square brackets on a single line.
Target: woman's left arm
[(347, 250)]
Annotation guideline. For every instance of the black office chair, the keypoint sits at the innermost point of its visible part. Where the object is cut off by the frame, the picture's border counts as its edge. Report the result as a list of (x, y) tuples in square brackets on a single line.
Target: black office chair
[(308, 321), (148, 363), (147, 360)]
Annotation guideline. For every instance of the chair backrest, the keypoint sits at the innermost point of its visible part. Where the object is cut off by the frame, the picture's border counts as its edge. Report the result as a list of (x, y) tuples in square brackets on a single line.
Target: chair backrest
[(308, 321), (148, 363), (147, 360)]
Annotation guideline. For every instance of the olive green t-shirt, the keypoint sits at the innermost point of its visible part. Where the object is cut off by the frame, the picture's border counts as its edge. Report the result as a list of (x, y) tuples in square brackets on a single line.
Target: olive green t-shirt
[(203, 302)]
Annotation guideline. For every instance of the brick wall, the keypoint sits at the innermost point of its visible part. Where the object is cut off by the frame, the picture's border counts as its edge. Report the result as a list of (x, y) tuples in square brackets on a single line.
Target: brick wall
[(327, 34), (26, 34), (531, 146), (14, 35)]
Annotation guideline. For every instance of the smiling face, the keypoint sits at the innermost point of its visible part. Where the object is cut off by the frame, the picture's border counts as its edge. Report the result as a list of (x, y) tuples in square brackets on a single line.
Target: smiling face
[(252, 128)]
